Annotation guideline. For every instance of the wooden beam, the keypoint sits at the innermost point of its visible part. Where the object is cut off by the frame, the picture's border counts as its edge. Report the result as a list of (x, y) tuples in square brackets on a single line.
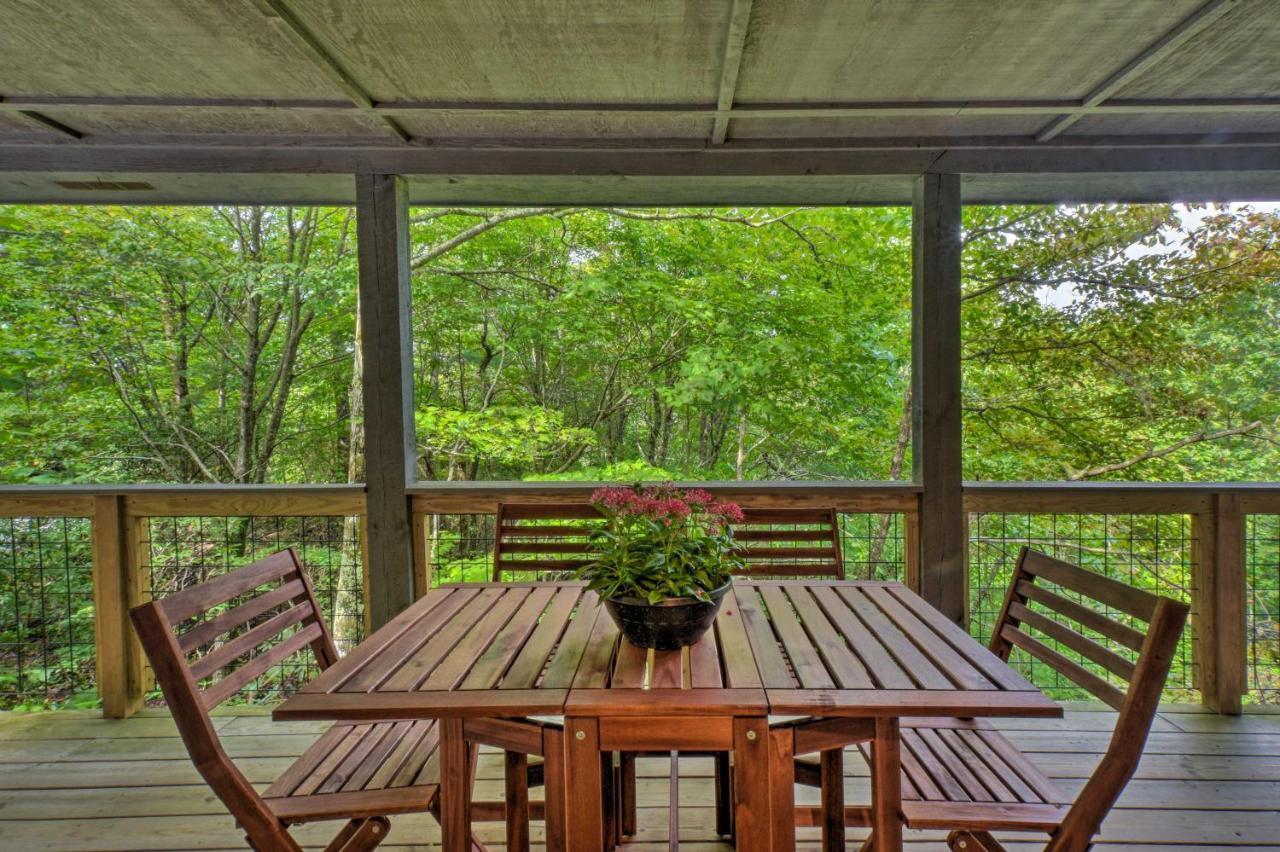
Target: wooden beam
[(382, 230), (50, 124), (730, 66), (935, 394), (780, 159), (117, 585), (1220, 611), (1161, 48), (310, 45), (783, 110)]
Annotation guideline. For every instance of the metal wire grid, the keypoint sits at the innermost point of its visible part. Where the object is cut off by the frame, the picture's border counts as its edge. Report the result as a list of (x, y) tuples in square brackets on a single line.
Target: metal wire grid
[(1262, 573), (46, 613), (182, 551), (1151, 552), (460, 547), (873, 546)]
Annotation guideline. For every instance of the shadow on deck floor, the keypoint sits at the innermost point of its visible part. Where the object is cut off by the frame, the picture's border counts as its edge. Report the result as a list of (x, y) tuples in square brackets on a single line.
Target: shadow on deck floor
[(70, 781)]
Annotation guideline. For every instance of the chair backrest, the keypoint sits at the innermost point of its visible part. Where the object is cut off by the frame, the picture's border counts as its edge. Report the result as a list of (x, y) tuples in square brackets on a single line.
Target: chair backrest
[(239, 625), (1131, 639), (545, 540)]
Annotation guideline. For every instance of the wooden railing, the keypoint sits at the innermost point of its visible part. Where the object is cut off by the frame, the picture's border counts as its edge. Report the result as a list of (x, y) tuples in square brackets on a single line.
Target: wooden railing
[(1216, 516)]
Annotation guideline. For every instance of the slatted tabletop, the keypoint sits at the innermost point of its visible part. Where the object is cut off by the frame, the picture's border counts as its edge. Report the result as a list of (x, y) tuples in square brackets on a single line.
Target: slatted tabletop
[(823, 647), (836, 648)]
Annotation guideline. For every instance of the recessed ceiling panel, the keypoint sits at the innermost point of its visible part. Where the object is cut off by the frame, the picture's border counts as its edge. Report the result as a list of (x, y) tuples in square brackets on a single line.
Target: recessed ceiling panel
[(532, 50), (1238, 55), (194, 48), (944, 49)]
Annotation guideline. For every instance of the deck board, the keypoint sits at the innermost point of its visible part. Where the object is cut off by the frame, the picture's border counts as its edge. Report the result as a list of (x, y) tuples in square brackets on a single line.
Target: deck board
[(69, 781)]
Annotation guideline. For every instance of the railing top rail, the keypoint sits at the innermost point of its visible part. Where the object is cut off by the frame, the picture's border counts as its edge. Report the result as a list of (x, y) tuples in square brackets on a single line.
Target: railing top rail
[(483, 497), (850, 496)]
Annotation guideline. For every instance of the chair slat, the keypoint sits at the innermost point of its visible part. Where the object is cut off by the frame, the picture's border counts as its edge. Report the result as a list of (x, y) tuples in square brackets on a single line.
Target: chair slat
[(786, 516), (790, 569), (182, 605), (1081, 614), (1105, 590), (547, 547), (229, 685), (747, 533), (542, 564), (227, 654), (206, 632), (1111, 661), (1080, 675), (780, 552), (506, 531), (549, 511)]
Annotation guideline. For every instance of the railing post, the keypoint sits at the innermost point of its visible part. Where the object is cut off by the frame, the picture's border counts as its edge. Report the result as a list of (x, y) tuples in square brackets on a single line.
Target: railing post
[(382, 227), (1219, 622), (117, 585), (935, 390), (422, 562)]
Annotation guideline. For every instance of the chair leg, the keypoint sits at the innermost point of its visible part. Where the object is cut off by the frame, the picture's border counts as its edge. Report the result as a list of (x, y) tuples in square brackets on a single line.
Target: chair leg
[(724, 795), (517, 801), (869, 844), (973, 841), (360, 835), (628, 783), (609, 798)]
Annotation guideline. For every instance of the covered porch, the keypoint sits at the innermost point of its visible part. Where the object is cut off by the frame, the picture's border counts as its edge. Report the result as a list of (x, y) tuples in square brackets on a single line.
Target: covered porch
[(929, 105)]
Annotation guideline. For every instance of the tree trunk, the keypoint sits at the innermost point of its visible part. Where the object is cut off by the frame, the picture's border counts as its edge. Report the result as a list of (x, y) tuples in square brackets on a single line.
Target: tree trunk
[(895, 470), (346, 623)]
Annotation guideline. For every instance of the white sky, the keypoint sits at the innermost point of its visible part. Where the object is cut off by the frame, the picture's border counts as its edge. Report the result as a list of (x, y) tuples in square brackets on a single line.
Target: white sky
[(1189, 217)]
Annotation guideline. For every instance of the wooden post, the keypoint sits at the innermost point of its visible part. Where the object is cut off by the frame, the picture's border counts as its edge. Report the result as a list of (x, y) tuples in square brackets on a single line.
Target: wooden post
[(935, 390), (422, 553), (1219, 611), (382, 228), (117, 585)]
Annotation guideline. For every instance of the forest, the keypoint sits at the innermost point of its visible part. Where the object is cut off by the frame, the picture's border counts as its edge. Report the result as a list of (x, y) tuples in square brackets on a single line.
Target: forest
[(221, 345)]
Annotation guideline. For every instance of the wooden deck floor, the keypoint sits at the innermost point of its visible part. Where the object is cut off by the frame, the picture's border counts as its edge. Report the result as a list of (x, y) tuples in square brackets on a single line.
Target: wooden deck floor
[(69, 781)]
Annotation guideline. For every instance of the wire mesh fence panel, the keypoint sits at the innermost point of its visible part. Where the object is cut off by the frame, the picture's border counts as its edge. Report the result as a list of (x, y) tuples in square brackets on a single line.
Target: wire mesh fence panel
[(46, 613), (1150, 552), (180, 552), (460, 548), (873, 546), (1262, 607)]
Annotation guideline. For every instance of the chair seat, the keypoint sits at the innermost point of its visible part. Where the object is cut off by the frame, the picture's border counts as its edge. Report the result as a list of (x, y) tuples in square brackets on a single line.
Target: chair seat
[(372, 769), (961, 773)]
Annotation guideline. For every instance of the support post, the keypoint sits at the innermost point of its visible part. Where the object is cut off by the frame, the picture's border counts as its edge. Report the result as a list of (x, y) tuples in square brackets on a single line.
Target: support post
[(382, 228), (1219, 611), (117, 585), (935, 391)]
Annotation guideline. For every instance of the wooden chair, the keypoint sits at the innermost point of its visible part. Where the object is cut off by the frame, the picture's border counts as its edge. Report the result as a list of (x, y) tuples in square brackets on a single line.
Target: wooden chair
[(539, 541), (359, 772), (963, 775)]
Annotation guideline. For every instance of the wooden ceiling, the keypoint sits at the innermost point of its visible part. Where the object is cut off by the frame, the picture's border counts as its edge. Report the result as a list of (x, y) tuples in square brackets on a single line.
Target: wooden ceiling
[(654, 101)]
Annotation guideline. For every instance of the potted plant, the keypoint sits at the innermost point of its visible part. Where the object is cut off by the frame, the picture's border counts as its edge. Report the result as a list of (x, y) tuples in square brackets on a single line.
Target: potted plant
[(664, 560)]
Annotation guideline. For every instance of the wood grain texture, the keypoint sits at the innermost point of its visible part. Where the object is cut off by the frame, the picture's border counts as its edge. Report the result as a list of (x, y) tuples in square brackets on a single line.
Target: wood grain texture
[(382, 226), (935, 390)]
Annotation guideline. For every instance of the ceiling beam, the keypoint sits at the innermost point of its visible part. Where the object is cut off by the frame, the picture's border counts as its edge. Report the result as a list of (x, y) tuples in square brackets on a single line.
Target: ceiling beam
[(50, 124), (731, 159), (1161, 48), (735, 42), (767, 111), (306, 41)]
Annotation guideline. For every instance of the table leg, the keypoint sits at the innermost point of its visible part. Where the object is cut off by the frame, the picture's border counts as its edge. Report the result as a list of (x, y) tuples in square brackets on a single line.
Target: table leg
[(782, 790), (584, 829), (455, 792), (886, 786), (752, 801)]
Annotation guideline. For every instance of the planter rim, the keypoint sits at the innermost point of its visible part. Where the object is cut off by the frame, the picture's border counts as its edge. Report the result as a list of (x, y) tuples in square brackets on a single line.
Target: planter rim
[(681, 601)]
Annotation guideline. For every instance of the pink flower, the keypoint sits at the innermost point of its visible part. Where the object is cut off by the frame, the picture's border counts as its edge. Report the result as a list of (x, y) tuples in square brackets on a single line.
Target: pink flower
[(699, 497), (731, 512)]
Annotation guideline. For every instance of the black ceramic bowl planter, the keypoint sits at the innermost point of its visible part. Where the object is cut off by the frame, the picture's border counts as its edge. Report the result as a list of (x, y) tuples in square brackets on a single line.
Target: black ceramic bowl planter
[(668, 625)]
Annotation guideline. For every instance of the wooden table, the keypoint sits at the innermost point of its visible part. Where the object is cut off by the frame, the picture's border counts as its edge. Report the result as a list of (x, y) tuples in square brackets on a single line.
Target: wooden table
[(835, 650)]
